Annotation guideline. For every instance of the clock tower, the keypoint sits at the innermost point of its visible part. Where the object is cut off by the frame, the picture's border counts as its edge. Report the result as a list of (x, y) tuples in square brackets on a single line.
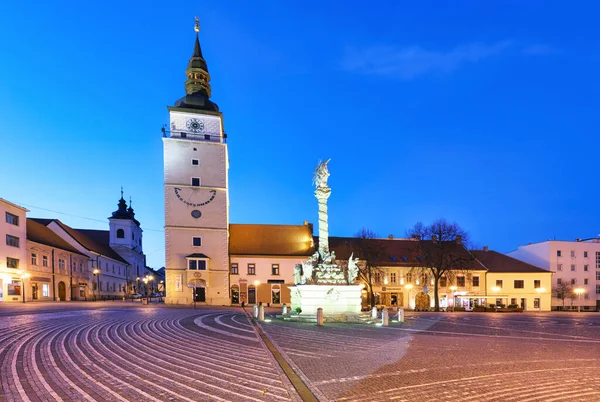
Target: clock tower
[(196, 193)]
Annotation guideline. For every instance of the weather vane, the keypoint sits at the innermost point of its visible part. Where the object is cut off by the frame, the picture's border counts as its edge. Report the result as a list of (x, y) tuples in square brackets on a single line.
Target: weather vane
[(197, 25)]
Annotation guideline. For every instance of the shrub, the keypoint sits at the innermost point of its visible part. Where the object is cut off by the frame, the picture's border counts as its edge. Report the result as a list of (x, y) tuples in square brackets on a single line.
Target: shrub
[(492, 305), (513, 306), (298, 310)]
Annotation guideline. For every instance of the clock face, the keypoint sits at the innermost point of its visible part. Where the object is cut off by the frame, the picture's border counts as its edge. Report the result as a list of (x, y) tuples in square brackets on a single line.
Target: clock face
[(195, 197), (195, 125)]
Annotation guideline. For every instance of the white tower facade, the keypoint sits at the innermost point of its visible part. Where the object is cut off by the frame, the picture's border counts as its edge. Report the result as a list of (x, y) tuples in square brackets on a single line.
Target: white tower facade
[(196, 195)]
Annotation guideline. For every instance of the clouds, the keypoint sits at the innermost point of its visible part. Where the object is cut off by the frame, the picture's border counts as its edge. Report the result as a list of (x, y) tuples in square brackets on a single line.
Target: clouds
[(410, 62)]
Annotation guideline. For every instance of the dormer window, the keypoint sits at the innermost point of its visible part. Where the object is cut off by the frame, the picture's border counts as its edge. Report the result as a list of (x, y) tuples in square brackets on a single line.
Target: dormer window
[(120, 234)]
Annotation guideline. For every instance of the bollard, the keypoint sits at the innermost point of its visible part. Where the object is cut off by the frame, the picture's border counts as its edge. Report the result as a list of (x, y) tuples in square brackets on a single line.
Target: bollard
[(385, 321), (255, 311), (261, 313), (320, 317), (400, 315), (374, 312), (284, 309)]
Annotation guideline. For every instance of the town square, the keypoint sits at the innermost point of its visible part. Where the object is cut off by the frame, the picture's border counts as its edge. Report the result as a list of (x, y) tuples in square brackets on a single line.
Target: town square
[(213, 202)]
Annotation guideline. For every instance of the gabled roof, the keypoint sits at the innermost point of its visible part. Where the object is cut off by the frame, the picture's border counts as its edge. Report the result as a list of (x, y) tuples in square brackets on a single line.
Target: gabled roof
[(497, 262), (280, 240), (97, 241), (38, 233)]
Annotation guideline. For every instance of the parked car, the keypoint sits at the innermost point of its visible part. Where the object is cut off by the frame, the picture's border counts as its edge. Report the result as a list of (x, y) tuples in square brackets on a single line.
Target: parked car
[(136, 296)]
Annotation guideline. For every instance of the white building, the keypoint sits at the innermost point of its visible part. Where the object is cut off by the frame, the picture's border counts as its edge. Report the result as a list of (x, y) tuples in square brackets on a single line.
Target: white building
[(574, 262), (13, 252)]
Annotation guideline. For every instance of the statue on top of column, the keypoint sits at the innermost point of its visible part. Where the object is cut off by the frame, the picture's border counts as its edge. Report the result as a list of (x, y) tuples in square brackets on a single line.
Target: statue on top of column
[(321, 174)]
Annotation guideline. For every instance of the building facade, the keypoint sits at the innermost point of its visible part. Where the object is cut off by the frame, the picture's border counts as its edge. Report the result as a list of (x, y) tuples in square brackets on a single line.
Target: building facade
[(576, 266), (196, 194), (13, 252)]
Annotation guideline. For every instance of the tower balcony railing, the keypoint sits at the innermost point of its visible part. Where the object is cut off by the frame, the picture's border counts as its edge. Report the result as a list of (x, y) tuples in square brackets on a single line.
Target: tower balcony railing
[(186, 135)]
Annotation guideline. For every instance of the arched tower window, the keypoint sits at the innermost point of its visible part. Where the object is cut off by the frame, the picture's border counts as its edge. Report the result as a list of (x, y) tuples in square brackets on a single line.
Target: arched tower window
[(120, 234)]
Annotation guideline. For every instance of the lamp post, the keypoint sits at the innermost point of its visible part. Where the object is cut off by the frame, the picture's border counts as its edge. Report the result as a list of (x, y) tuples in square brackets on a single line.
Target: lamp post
[(96, 281), (408, 287), (24, 275), (579, 292), (539, 292)]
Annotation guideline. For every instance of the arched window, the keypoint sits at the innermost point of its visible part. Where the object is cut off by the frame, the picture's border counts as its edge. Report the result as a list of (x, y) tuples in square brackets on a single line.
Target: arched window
[(120, 234)]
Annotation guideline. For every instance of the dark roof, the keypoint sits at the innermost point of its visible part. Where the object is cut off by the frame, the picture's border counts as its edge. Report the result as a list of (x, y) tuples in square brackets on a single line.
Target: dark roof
[(39, 233), (195, 255), (498, 262), (281, 240), (94, 240), (400, 252), (123, 212)]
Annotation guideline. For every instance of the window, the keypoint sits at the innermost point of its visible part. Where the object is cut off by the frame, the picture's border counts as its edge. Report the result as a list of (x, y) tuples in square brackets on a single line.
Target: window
[(45, 290), (536, 302), (585, 281), (33, 259), (586, 268), (119, 270), (275, 269), (460, 281), (585, 254), (519, 284), (499, 283), (196, 181), (559, 267), (573, 267), (573, 281), (275, 294), (197, 264), (443, 282), (44, 260), (12, 241), (393, 277), (61, 263), (572, 253), (558, 281), (598, 289), (197, 241), (113, 268), (80, 267), (598, 259), (12, 219), (207, 136), (120, 234), (537, 284), (476, 281), (12, 262), (195, 162), (234, 269), (513, 300), (586, 296), (558, 253), (598, 275), (251, 269)]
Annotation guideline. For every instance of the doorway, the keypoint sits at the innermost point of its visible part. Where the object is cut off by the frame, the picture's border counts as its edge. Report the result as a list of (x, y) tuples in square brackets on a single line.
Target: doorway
[(34, 291), (200, 295), (62, 291), (235, 295), (394, 299), (251, 295)]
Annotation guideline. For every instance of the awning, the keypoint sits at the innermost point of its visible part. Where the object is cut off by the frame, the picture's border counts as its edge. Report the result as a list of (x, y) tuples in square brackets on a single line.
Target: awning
[(197, 255)]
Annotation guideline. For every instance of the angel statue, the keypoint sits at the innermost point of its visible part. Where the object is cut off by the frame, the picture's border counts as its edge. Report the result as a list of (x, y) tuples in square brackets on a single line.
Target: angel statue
[(352, 269), (321, 174), (307, 270), (297, 274)]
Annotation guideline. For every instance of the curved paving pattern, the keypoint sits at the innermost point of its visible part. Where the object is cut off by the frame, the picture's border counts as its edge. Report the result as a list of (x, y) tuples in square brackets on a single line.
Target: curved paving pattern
[(145, 354)]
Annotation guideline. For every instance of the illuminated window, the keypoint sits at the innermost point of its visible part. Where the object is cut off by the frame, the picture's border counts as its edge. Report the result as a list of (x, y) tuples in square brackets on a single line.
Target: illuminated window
[(45, 290)]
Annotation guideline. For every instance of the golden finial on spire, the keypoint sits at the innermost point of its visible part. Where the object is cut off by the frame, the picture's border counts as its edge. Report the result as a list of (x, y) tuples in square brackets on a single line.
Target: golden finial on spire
[(197, 25)]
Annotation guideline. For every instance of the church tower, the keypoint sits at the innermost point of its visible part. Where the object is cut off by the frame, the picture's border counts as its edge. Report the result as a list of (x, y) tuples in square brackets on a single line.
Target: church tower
[(196, 193)]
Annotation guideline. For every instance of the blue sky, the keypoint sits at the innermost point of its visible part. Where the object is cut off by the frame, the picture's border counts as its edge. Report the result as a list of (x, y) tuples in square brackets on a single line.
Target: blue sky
[(481, 112)]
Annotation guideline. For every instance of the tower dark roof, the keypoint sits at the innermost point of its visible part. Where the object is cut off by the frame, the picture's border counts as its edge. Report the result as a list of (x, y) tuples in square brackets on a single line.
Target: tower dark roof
[(123, 212)]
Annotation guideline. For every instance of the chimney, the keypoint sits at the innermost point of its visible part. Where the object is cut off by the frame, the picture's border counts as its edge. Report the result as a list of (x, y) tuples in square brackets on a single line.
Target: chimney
[(458, 239), (434, 238), (485, 248), (391, 237)]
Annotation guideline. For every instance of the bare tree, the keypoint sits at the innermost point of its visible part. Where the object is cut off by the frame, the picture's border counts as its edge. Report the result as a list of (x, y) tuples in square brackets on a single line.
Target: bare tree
[(564, 290), (370, 254), (440, 251)]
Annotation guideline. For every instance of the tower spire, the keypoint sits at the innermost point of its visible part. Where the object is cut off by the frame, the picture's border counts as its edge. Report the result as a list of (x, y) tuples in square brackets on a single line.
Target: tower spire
[(197, 87)]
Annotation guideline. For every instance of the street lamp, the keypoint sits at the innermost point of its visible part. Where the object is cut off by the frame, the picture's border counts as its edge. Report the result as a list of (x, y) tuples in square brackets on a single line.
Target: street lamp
[(579, 292), (24, 275), (539, 292), (96, 273), (408, 287), (453, 289)]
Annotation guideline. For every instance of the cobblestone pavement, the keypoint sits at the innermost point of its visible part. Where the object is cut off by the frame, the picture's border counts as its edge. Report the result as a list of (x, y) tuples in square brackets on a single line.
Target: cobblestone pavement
[(118, 352), (449, 357)]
